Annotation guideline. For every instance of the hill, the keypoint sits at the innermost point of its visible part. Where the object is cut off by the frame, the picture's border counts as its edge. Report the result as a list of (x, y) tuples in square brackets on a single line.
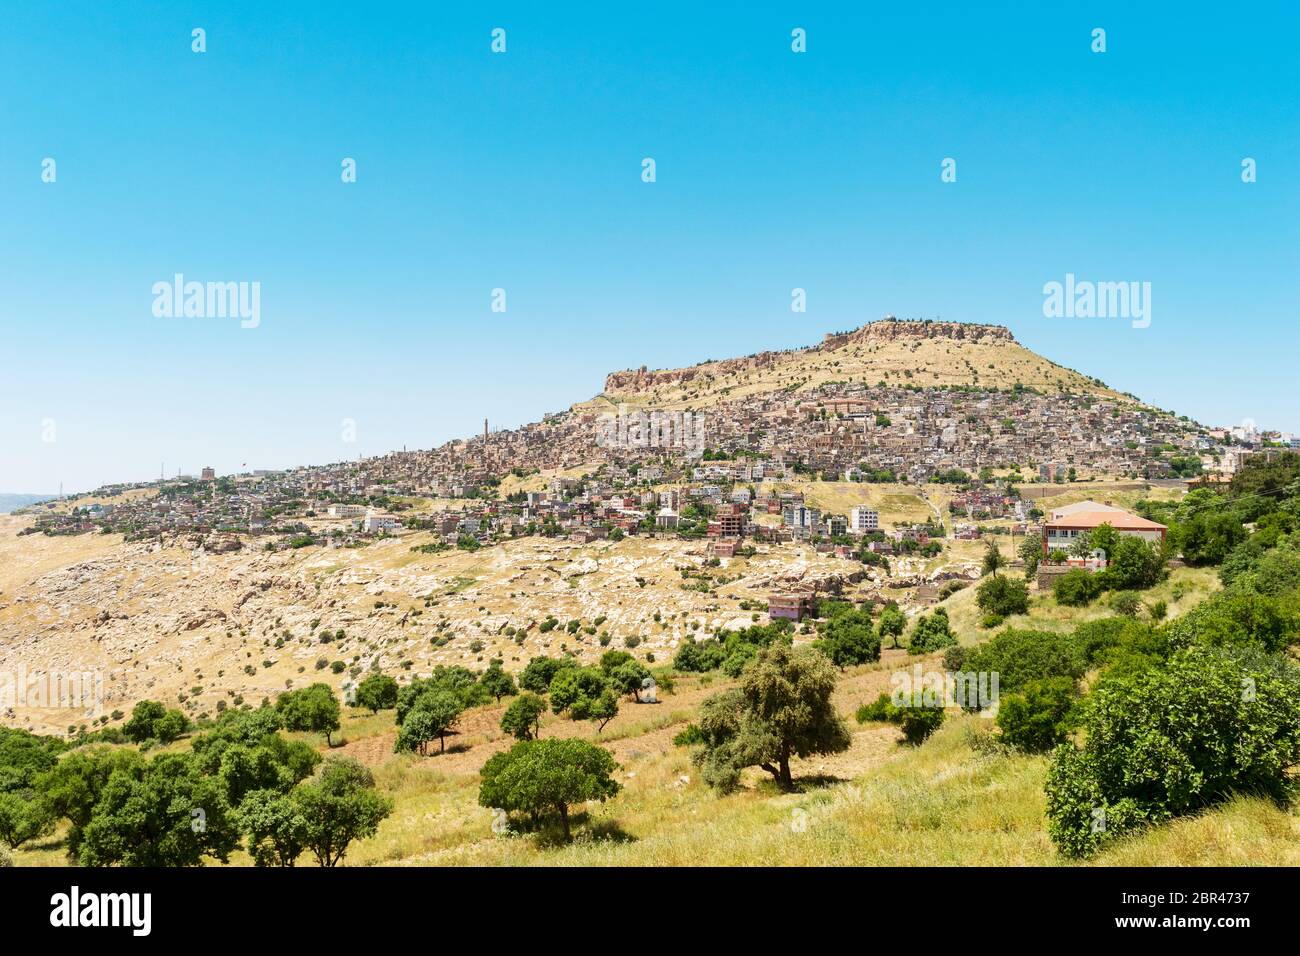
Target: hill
[(891, 351)]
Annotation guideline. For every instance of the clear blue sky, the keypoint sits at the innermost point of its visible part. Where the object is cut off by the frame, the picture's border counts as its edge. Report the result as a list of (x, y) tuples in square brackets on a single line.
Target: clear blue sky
[(522, 171)]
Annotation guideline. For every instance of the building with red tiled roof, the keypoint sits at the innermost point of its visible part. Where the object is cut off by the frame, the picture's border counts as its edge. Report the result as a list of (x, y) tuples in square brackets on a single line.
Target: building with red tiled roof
[(1067, 525)]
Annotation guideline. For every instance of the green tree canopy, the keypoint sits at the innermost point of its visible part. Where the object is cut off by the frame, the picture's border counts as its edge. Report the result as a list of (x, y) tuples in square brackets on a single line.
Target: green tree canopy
[(541, 776), (314, 708), (337, 806)]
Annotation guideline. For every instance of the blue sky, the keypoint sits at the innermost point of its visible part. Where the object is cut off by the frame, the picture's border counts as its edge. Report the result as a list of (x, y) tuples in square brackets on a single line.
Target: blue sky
[(522, 170)]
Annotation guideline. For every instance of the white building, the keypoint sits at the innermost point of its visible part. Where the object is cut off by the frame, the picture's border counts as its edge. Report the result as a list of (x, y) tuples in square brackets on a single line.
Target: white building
[(347, 511), (862, 520), (374, 523)]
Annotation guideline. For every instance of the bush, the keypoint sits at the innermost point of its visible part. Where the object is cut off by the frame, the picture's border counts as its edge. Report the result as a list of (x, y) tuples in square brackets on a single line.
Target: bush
[(1003, 596), (699, 656), (689, 737), (1126, 603), (1037, 719), (848, 638), (1019, 656), (1173, 740), (1076, 588), (931, 633), (916, 722), (1235, 619)]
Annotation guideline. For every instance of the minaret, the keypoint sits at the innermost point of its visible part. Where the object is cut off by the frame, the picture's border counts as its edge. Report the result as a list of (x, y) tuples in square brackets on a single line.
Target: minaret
[(485, 433)]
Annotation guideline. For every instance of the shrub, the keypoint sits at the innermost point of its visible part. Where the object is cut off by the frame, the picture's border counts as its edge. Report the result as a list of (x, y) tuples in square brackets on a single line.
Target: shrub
[(916, 722), (931, 633), (1172, 740), (1234, 619), (1037, 719), (689, 737), (1126, 603), (1002, 595), (1076, 588), (1019, 656)]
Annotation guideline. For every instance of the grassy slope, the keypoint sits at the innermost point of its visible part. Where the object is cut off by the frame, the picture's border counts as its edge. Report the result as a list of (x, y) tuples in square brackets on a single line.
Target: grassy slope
[(951, 801)]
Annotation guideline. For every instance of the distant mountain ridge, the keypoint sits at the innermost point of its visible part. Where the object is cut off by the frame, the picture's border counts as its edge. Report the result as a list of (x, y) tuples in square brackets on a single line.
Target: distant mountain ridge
[(12, 502)]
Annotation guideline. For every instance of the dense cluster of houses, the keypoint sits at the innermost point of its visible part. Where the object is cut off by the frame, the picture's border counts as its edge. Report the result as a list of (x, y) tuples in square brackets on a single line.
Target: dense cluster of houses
[(841, 431)]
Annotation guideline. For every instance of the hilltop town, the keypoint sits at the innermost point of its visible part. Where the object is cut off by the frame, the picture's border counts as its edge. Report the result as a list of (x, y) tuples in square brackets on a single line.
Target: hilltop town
[(622, 462)]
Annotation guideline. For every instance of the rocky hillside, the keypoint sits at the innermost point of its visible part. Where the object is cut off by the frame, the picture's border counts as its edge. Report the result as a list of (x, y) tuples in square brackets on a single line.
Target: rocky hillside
[(891, 351)]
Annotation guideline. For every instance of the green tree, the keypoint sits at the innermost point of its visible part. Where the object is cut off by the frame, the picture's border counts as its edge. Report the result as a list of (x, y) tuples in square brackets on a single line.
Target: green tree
[(434, 714), (539, 673), (781, 709), (497, 681), (339, 805), (541, 776), (73, 787), (1172, 740), (523, 718), (1208, 537), (574, 688), (244, 751), (1133, 564), (994, 559), (849, 638), (1031, 552), (158, 814), (313, 708), (893, 622), (150, 720), (377, 692), (23, 816), (628, 677), (275, 827)]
